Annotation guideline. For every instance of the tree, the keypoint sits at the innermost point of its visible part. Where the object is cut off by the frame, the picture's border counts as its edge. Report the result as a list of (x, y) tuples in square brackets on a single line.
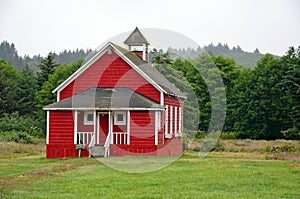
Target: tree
[(47, 67), (292, 83), (158, 57), (8, 86), (262, 106), (61, 73), (26, 91)]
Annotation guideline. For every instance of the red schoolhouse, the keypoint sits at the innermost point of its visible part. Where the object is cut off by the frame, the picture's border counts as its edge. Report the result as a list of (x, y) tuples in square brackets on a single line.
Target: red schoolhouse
[(116, 104)]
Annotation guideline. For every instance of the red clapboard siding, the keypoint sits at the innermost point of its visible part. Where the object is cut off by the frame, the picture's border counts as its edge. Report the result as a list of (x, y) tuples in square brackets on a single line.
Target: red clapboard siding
[(61, 135), (172, 101), (142, 128), (110, 71), (61, 128)]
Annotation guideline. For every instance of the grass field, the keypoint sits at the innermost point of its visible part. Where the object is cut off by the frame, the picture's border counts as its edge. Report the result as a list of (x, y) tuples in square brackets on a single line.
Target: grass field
[(218, 175)]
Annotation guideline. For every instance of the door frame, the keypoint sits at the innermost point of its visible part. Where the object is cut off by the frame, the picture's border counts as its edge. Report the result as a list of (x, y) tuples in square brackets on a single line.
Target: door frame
[(98, 124)]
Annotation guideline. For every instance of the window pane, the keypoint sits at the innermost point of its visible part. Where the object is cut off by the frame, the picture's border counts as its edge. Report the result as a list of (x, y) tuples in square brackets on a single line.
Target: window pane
[(120, 117), (90, 117)]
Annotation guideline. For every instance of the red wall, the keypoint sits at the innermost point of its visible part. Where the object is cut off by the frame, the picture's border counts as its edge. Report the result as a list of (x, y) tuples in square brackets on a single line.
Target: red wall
[(110, 71), (81, 127), (61, 135), (141, 136)]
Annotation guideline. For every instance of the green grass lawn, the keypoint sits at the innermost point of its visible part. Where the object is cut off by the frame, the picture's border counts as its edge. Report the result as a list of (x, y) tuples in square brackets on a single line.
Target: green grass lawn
[(219, 175)]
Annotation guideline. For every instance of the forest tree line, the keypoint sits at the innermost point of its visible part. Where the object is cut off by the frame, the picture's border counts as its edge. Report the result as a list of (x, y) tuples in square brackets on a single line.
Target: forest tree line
[(262, 103)]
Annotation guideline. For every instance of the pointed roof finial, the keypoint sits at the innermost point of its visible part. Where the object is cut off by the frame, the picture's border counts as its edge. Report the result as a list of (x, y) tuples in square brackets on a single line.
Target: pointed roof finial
[(136, 38)]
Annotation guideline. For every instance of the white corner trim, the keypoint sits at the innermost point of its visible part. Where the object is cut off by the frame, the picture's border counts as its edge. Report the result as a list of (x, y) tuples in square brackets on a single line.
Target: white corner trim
[(58, 96), (162, 98), (48, 127), (128, 127), (75, 126), (156, 128)]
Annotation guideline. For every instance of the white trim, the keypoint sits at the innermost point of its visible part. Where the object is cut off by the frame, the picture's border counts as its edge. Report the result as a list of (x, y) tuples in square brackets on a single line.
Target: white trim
[(105, 109), (95, 124), (110, 127), (138, 70), (91, 61), (171, 119), (85, 118), (75, 126), (180, 120), (166, 120), (128, 127), (162, 98), (157, 126), (48, 127), (78, 72), (58, 96), (175, 122), (144, 52), (116, 121), (98, 128)]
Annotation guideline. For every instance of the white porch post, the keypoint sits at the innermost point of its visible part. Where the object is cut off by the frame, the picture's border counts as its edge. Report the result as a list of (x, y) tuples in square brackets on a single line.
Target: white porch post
[(47, 127), (110, 127), (95, 126), (75, 127), (128, 127), (156, 128)]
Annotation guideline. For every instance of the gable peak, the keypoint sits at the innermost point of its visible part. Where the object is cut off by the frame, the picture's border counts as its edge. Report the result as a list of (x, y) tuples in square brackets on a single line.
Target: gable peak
[(136, 38)]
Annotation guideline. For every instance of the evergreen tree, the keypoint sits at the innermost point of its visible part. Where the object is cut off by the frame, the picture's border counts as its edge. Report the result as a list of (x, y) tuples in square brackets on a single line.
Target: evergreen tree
[(47, 67)]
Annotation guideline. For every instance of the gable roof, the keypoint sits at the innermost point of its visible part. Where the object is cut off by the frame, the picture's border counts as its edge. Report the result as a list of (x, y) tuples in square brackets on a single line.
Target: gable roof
[(136, 38), (143, 68), (105, 98)]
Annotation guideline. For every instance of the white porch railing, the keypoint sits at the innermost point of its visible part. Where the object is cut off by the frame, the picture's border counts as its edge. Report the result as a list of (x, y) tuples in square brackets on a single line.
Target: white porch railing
[(85, 138), (120, 138), (107, 145)]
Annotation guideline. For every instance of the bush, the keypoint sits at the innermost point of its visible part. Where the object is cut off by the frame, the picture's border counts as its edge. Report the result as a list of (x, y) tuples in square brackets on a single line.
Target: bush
[(200, 134), (17, 123), (16, 136), (291, 134), (228, 135)]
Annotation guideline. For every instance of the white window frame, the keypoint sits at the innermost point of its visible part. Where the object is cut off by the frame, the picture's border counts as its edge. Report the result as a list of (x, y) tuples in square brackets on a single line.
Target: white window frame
[(158, 120), (171, 119), (86, 121), (166, 120), (119, 122), (180, 120), (176, 120)]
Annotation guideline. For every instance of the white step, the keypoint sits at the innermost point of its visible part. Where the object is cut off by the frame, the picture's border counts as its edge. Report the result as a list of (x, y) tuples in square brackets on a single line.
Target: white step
[(97, 151)]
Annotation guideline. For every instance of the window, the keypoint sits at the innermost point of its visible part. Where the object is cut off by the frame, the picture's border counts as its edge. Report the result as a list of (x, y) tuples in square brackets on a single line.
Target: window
[(171, 119), (158, 120), (166, 120), (175, 122), (88, 118), (120, 118)]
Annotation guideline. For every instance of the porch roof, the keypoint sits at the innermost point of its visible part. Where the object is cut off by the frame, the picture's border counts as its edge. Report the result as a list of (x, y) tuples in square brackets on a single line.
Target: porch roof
[(103, 98)]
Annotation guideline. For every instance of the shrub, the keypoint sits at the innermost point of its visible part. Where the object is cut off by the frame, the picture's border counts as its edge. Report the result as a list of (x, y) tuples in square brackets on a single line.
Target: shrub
[(200, 134), (291, 134), (15, 122), (16, 136), (228, 135)]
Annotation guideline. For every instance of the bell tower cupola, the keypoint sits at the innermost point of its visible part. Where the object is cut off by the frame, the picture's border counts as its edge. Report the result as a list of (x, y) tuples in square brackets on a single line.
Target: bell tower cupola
[(137, 43)]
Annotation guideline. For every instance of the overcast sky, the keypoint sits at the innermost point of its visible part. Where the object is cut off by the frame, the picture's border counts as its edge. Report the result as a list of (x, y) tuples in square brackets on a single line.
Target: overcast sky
[(41, 26)]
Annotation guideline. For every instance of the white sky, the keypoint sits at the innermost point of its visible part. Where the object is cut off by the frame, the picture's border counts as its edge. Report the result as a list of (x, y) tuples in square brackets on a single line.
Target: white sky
[(41, 26)]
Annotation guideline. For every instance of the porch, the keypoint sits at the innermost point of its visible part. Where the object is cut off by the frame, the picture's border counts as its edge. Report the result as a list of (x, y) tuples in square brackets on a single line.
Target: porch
[(97, 130)]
